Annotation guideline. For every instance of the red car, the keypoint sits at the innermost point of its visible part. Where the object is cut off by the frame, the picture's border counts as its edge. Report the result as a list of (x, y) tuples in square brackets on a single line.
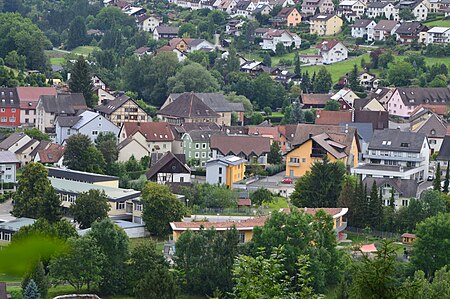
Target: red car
[(287, 181)]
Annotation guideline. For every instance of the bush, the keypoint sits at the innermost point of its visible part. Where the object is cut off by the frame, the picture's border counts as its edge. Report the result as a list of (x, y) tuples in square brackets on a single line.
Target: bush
[(274, 169), (199, 172)]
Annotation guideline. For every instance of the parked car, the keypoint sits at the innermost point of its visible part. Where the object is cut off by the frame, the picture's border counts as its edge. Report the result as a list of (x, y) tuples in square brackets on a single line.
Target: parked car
[(287, 181)]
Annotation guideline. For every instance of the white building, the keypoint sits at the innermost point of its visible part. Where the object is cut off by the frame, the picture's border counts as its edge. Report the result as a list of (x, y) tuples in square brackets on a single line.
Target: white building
[(396, 154), (148, 22), (87, 123), (354, 7), (332, 51), (363, 29), (382, 9), (285, 37), (219, 170), (8, 166), (438, 35)]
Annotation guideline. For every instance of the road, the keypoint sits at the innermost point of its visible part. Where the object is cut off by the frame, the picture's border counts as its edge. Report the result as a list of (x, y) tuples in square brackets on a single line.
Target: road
[(5, 209)]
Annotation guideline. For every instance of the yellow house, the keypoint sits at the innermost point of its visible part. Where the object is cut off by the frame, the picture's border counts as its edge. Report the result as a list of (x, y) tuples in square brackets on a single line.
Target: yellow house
[(288, 16), (325, 24), (226, 170), (244, 227), (313, 142)]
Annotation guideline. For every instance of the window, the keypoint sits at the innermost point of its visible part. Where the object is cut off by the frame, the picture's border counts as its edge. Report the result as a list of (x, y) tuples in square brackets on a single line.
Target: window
[(3, 110), (13, 110), (12, 119), (294, 160), (197, 145), (203, 155), (220, 180), (220, 170), (241, 237), (8, 168), (94, 133), (138, 207), (6, 237), (72, 198), (142, 117), (204, 145), (4, 119), (68, 131), (8, 177), (119, 117), (120, 205), (405, 202)]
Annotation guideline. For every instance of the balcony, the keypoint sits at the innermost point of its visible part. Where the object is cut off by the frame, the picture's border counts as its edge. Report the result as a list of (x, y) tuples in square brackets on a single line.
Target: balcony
[(293, 163), (394, 158)]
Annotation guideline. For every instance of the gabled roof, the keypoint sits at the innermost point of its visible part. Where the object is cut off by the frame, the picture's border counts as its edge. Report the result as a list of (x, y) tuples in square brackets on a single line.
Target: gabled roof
[(52, 154), (152, 131), (433, 124), (406, 188), (444, 151), (331, 146), (378, 4), (271, 132), (361, 23), (315, 98), (364, 130), (386, 25), (167, 30), (12, 139), (409, 27), (396, 140), (188, 105), (115, 104), (324, 117), (29, 145), (67, 121), (44, 144), (169, 163), (63, 103), (29, 96), (8, 157), (141, 50), (9, 98), (413, 96), (285, 12), (240, 144), (327, 45), (214, 100)]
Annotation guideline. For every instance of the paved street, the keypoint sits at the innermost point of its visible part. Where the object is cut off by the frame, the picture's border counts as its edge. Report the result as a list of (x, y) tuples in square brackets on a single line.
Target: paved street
[(5, 209)]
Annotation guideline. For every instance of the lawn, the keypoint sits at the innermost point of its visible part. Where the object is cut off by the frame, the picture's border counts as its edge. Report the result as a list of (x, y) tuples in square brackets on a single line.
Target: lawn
[(438, 23), (159, 243), (278, 203), (84, 50), (339, 69), (58, 61), (9, 278)]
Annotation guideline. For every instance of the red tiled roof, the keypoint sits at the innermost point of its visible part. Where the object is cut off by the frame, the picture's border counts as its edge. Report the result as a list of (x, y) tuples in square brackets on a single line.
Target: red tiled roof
[(244, 202), (324, 117), (313, 211), (249, 223), (408, 235), (152, 131), (368, 248), (315, 99), (52, 154), (327, 45), (240, 144), (438, 109), (271, 132), (29, 96)]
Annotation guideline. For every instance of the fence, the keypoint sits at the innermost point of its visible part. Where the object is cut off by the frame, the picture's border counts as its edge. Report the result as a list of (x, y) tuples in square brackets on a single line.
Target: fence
[(380, 234), (230, 211)]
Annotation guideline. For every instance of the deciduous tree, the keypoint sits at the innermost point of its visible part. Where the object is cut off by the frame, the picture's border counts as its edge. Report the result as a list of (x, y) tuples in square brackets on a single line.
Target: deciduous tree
[(322, 82), (261, 196), (193, 78), (77, 35), (106, 143), (275, 156), (81, 154), (89, 207)]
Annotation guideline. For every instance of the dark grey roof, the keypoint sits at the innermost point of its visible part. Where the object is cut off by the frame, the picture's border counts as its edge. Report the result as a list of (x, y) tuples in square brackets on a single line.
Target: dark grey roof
[(188, 105), (63, 103), (386, 25), (168, 163), (365, 130), (167, 30), (215, 101), (67, 121), (409, 27), (444, 151), (377, 4), (204, 136), (406, 188), (362, 23), (11, 140), (433, 125), (396, 140), (9, 98), (414, 96), (8, 157), (113, 105), (26, 145), (80, 176), (41, 146)]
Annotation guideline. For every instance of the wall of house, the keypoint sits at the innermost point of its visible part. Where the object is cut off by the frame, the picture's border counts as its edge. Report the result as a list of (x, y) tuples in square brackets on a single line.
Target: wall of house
[(112, 183), (9, 117), (135, 149), (212, 173), (28, 116), (294, 18), (395, 106), (333, 26), (24, 140), (8, 172), (126, 113), (24, 157), (196, 150), (43, 119), (235, 173), (96, 126)]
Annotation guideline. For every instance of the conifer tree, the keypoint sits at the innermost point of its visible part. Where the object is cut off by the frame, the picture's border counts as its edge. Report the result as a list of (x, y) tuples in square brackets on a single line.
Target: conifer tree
[(37, 275), (305, 85), (80, 80), (392, 199), (297, 70), (375, 207), (31, 291), (447, 178), (437, 178)]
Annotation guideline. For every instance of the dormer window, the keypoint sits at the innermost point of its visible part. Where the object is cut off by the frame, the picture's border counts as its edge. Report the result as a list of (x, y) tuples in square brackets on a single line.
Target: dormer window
[(404, 144), (433, 132)]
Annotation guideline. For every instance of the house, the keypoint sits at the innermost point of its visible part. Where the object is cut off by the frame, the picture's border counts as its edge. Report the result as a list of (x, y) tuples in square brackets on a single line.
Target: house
[(396, 154), (369, 81), (148, 22), (50, 107), (225, 170), (254, 149), (225, 5), (364, 132), (98, 82), (87, 123), (337, 214), (103, 95), (8, 167), (404, 100), (142, 51), (324, 117), (408, 238), (188, 107), (23, 146), (181, 56), (9, 108), (165, 32), (168, 168), (133, 11), (122, 109), (181, 129), (384, 29), (28, 99), (403, 190), (274, 37), (409, 32), (382, 95), (120, 200), (314, 100), (263, 9), (363, 28), (311, 143), (131, 147), (311, 7), (243, 8), (332, 51), (244, 227), (288, 17), (53, 155), (351, 9), (281, 3), (234, 26), (438, 35), (274, 133), (383, 9), (196, 146), (83, 177), (325, 24), (187, 45), (9, 228), (443, 156), (417, 7), (432, 126), (346, 97), (368, 104), (156, 137), (379, 119)]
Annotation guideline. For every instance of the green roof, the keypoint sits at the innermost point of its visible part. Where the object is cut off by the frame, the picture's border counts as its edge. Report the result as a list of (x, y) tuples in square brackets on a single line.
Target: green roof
[(113, 194)]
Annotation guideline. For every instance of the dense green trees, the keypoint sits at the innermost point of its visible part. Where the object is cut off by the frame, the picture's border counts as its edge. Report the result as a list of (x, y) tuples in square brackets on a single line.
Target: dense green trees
[(210, 196), (321, 187), (89, 207), (193, 77), (400, 73), (80, 81), (77, 33), (160, 208), (283, 229), (261, 196), (275, 156), (332, 105), (206, 260), (82, 155), (322, 82), (35, 197), (61, 229), (37, 274), (106, 143)]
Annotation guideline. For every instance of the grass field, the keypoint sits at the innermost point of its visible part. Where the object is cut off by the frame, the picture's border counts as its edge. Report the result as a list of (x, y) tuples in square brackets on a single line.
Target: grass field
[(58, 61), (83, 50), (278, 203), (438, 23)]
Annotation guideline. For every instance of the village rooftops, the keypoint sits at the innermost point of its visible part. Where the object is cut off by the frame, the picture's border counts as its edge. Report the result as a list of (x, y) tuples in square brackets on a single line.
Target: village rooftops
[(63, 103), (113, 105), (361, 23), (413, 96), (396, 140), (240, 144), (16, 224), (215, 101), (385, 25), (152, 131), (188, 105), (6, 157), (226, 225), (79, 176)]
